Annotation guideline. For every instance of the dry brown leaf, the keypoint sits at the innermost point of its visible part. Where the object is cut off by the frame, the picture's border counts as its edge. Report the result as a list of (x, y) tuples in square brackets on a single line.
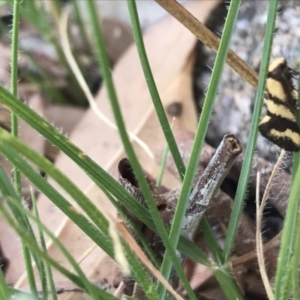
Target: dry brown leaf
[(103, 143)]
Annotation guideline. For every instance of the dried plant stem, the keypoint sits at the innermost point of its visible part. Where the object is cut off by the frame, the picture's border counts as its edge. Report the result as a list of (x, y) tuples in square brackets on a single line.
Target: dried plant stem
[(259, 215), (259, 244), (271, 179), (208, 38), (79, 77), (209, 183)]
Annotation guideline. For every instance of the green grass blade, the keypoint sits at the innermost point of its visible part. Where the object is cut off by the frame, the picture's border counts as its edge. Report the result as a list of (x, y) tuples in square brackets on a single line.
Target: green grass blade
[(60, 246), (136, 29), (47, 274), (80, 220), (103, 59), (14, 128), (162, 166), (102, 179), (243, 180), (287, 241), (78, 196), (80, 280), (288, 255), (227, 283), (14, 62), (44, 164), (296, 250), (104, 241), (4, 291), (200, 134)]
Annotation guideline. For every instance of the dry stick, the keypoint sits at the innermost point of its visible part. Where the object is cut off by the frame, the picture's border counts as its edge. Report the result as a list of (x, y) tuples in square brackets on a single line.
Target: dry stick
[(259, 215), (208, 38), (209, 183)]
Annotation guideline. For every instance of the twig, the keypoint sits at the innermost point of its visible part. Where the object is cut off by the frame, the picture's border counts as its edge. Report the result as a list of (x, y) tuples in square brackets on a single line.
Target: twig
[(209, 183), (208, 38), (220, 206)]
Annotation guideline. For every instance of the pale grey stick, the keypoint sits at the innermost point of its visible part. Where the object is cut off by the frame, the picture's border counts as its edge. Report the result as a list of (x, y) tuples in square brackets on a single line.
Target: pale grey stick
[(209, 183)]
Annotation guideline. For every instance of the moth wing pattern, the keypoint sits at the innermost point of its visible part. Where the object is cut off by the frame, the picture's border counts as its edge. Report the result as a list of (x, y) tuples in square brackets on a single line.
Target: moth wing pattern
[(280, 125), (279, 132)]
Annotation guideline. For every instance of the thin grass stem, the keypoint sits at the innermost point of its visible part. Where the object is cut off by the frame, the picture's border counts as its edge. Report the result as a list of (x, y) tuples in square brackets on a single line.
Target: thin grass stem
[(246, 167), (136, 29), (199, 138), (103, 59)]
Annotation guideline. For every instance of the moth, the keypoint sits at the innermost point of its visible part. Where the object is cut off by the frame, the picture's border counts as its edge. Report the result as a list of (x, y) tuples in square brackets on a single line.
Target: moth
[(280, 124)]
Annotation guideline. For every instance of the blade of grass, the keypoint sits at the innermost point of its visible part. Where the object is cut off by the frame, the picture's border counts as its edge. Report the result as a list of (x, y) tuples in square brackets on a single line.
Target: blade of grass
[(104, 241), (137, 34), (14, 81), (296, 156), (7, 190), (78, 196), (162, 166), (200, 135), (103, 59), (60, 246), (4, 291), (81, 221), (80, 280), (226, 281), (14, 128), (101, 178), (287, 241), (48, 273), (296, 250), (185, 246), (245, 171)]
